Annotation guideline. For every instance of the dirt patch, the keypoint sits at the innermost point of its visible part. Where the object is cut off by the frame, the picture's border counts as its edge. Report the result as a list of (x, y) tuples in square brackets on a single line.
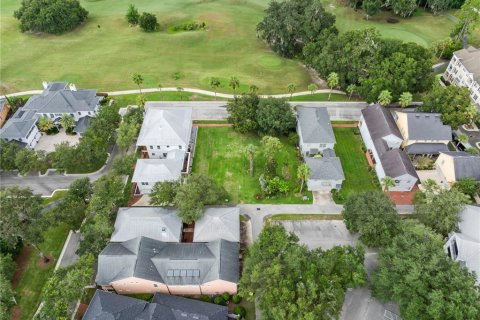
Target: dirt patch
[(315, 77), (45, 263), (22, 261), (16, 313), (7, 88)]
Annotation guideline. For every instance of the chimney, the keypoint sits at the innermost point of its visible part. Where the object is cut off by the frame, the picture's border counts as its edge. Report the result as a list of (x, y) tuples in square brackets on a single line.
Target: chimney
[(45, 84), (72, 87)]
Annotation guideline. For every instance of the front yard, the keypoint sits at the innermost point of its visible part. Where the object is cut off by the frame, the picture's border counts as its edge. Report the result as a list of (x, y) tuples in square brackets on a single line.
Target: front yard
[(358, 178), (220, 154)]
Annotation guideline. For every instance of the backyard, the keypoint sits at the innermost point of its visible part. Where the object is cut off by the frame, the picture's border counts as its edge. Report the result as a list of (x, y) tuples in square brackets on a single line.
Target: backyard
[(355, 167), (105, 52), (220, 154)]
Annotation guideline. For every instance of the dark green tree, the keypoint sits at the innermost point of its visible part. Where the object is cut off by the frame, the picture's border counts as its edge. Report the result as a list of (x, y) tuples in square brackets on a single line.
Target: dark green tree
[(163, 193), (132, 16), (416, 273), (26, 160), (148, 22), (404, 8), (275, 117), (468, 186), (50, 16), (242, 112), (125, 165), (96, 233), (373, 215), (8, 153), (65, 157), (371, 7)]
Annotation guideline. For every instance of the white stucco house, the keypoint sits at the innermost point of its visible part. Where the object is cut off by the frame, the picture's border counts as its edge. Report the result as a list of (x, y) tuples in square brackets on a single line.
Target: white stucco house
[(383, 141), (464, 246), (464, 70), (56, 100)]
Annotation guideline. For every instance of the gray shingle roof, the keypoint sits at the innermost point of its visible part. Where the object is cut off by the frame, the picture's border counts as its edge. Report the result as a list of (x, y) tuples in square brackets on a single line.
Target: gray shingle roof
[(153, 222), (396, 163), (64, 101), (170, 263), (315, 126), (427, 126), (166, 126), (82, 125), (380, 123), (426, 148), (465, 165), (470, 58), (157, 170), (325, 168), (218, 223), (106, 305)]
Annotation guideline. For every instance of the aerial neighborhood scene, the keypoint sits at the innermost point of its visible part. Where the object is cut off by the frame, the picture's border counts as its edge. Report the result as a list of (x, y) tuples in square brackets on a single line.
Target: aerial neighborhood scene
[(240, 159)]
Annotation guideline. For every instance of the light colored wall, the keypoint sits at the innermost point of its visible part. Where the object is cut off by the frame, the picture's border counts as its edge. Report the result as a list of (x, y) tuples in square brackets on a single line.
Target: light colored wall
[(458, 75), (367, 139), (445, 167), (184, 290), (157, 152), (76, 115), (145, 189), (405, 183), (138, 285), (218, 286), (323, 185), (409, 142), (402, 124)]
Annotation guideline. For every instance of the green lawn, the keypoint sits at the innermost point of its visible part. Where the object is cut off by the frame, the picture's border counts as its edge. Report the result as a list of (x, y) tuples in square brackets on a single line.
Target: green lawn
[(30, 287), (57, 195), (220, 155), (105, 52), (131, 99), (305, 216), (354, 162)]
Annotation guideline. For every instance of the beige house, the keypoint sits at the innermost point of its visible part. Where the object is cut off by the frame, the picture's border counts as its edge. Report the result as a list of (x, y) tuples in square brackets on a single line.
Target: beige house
[(145, 265), (423, 133), (454, 166)]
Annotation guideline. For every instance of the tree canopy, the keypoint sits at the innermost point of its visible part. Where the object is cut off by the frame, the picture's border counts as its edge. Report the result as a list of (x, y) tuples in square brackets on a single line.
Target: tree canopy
[(275, 117), (416, 273), (242, 112), (148, 22), (373, 215), (290, 282), (50, 16)]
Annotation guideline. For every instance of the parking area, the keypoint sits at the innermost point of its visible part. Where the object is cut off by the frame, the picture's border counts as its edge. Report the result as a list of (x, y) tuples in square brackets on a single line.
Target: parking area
[(47, 142)]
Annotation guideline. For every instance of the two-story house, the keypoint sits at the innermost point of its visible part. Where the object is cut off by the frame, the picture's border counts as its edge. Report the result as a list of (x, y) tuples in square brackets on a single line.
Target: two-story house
[(453, 166), (423, 133), (464, 70)]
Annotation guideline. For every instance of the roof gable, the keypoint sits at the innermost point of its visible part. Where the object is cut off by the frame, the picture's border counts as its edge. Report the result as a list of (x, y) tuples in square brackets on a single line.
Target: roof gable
[(314, 125), (166, 126), (427, 126), (380, 122), (218, 223), (157, 170)]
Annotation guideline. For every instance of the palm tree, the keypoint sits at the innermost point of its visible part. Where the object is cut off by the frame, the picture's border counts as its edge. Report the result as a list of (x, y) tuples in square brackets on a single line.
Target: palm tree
[(251, 150), (387, 182), (303, 172), (234, 83), (291, 89), (350, 90), (332, 81), (253, 89), (384, 98), (312, 87), (45, 124), (138, 80), (405, 99), (180, 92), (215, 83), (67, 122)]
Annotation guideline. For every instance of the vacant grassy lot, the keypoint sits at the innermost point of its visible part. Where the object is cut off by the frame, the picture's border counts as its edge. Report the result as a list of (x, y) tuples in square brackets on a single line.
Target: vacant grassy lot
[(30, 286), (105, 52), (220, 154), (354, 163)]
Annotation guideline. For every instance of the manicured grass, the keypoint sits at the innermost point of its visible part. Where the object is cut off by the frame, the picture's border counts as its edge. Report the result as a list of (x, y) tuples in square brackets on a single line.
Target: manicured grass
[(57, 195), (131, 99), (220, 154), (324, 97), (210, 121), (105, 52), (291, 216), (423, 28), (30, 287), (354, 163)]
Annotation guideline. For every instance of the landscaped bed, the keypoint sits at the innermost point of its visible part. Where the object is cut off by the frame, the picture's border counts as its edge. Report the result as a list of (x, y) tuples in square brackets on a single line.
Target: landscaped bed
[(220, 154), (358, 176)]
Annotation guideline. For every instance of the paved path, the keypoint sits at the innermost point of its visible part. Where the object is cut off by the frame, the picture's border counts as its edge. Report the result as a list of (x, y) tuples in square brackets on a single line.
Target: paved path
[(48, 183), (258, 212), (192, 90)]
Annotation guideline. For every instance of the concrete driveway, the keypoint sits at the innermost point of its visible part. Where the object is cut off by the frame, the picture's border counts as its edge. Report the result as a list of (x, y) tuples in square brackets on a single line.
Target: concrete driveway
[(322, 198), (48, 142), (323, 234)]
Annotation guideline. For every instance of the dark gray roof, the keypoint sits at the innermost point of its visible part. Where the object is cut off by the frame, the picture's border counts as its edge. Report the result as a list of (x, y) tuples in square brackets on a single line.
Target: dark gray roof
[(82, 125), (19, 125), (325, 168), (427, 126), (396, 163), (106, 306), (202, 309), (314, 125), (380, 122), (55, 86), (466, 165), (426, 148), (170, 263)]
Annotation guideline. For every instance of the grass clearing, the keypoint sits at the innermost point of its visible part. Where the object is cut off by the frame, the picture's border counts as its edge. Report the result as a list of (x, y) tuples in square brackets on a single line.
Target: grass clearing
[(105, 52), (306, 216), (220, 155), (354, 163), (30, 286)]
